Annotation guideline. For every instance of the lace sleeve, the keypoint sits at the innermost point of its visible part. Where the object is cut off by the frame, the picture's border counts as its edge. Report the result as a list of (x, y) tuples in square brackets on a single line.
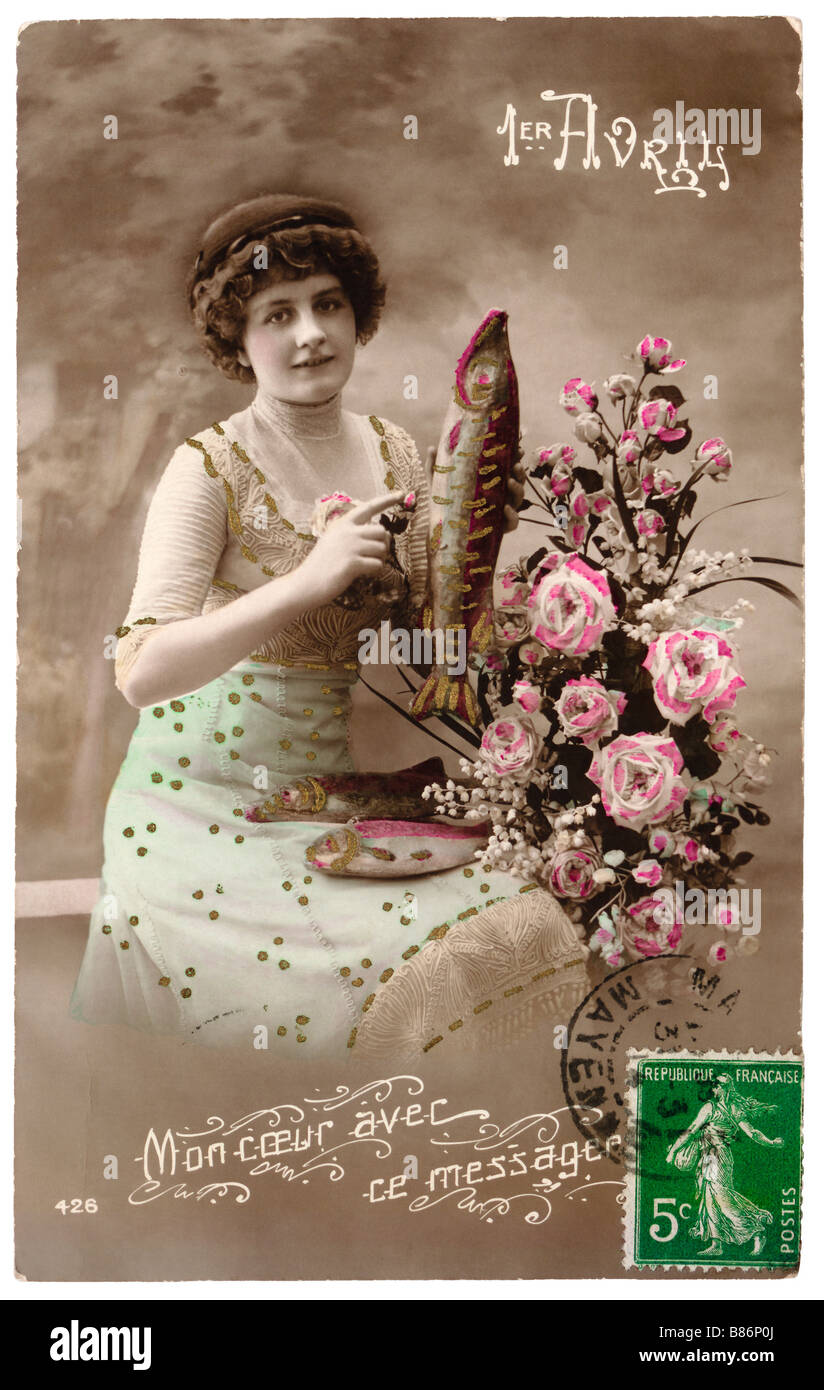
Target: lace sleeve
[(183, 539), (412, 547)]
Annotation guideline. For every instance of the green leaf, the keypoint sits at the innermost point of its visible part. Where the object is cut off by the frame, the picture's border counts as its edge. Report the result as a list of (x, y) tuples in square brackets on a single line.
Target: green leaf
[(726, 508), (667, 393), (755, 579), (679, 507)]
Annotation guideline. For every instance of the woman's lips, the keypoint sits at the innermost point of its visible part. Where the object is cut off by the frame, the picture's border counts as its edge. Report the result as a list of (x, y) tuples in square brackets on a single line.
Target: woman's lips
[(314, 362)]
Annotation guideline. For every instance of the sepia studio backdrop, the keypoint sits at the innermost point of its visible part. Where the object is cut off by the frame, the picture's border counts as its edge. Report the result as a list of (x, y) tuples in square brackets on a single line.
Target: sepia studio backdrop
[(210, 112)]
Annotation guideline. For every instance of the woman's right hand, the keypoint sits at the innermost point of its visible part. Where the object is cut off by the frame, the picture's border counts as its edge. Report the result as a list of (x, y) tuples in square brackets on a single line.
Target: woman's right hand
[(351, 546)]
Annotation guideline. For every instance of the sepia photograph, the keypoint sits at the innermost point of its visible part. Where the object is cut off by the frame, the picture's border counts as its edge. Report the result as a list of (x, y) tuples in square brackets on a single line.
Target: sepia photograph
[(410, 691)]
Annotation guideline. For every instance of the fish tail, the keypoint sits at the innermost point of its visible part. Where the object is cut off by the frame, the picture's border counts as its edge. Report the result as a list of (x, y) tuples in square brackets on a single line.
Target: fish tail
[(443, 694)]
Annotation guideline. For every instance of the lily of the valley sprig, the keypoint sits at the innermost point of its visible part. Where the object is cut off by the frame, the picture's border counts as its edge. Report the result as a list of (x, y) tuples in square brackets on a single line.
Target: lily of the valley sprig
[(612, 767)]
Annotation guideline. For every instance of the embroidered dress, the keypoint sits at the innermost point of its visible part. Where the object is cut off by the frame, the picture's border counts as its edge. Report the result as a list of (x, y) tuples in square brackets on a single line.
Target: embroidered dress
[(208, 924)]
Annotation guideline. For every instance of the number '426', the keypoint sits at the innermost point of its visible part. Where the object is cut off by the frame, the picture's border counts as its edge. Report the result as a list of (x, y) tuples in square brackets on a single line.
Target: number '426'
[(77, 1206)]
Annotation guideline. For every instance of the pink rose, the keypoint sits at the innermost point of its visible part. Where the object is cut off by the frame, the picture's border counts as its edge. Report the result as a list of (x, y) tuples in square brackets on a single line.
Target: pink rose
[(719, 456), (511, 627), (570, 605), (647, 929), (531, 653), (662, 842), (570, 871), (638, 778), (515, 585), (577, 396), (658, 417), (656, 354), (586, 710), (328, 509), (600, 502), (527, 695), (649, 871), (620, 386), (510, 747), (717, 954), (692, 672)]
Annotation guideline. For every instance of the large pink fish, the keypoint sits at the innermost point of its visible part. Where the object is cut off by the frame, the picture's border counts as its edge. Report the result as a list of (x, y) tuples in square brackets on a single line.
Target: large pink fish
[(478, 448)]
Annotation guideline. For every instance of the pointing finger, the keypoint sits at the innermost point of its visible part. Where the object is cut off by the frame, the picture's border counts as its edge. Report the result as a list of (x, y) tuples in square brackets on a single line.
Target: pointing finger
[(367, 510)]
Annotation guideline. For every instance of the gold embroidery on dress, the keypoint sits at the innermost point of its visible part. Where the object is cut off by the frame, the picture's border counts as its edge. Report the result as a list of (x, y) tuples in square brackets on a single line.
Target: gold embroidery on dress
[(324, 638)]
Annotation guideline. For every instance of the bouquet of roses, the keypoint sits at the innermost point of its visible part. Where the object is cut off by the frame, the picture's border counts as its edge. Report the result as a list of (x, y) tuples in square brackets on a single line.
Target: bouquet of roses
[(612, 766)]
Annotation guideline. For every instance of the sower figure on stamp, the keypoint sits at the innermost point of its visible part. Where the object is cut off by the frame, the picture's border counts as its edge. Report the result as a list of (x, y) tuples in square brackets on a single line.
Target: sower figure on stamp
[(725, 1217)]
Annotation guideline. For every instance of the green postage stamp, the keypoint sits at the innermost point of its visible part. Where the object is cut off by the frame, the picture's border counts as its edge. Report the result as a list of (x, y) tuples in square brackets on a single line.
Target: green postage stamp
[(713, 1161)]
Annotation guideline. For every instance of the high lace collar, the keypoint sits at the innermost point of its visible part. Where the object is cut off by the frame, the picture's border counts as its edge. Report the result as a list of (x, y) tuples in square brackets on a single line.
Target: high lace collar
[(300, 421)]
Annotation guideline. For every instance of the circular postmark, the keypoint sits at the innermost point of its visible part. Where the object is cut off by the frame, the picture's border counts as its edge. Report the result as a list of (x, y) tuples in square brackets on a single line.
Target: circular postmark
[(662, 1003)]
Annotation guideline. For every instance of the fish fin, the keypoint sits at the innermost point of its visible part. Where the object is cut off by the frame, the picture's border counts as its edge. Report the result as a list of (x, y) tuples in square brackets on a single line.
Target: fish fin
[(443, 694)]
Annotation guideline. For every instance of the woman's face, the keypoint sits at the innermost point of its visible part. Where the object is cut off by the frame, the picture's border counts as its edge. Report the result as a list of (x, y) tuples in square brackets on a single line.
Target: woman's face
[(300, 339)]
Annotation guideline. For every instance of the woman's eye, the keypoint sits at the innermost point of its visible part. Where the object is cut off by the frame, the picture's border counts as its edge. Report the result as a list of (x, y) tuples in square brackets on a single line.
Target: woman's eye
[(328, 305), (278, 316)]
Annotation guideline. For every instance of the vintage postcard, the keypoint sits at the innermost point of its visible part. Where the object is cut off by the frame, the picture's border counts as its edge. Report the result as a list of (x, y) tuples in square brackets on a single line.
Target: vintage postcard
[(410, 687)]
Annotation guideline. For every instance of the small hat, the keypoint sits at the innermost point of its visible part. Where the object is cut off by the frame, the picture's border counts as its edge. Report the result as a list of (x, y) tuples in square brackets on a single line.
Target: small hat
[(271, 213)]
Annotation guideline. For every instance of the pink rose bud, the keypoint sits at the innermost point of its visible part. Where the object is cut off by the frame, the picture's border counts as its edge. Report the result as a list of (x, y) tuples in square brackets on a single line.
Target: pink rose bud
[(531, 654), (629, 447), (658, 482), (409, 502), (587, 428), (620, 386), (577, 396), (658, 417), (649, 523), (662, 843), (527, 695), (649, 871), (557, 453), (719, 456), (656, 354), (724, 735), (717, 954), (561, 479)]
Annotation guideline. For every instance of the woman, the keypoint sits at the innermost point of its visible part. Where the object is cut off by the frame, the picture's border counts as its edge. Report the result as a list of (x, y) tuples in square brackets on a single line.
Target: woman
[(725, 1217), (239, 649)]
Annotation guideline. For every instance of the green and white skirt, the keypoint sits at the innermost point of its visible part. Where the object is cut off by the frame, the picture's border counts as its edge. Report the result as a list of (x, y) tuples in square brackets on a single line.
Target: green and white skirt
[(214, 927)]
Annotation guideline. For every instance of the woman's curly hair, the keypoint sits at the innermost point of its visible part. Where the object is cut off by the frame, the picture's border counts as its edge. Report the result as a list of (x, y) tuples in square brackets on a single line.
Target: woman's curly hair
[(218, 303)]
